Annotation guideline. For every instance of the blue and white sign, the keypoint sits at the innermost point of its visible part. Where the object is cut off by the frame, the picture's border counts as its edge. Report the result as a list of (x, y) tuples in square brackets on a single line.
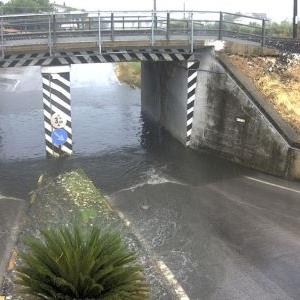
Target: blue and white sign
[(59, 136)]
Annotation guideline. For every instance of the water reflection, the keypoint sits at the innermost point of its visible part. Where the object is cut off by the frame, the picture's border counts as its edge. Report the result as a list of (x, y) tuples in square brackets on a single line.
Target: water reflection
[(113, 143)]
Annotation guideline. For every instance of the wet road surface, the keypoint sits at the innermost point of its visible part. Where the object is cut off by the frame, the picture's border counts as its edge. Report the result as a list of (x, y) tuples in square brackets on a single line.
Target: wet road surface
[(222, 233)]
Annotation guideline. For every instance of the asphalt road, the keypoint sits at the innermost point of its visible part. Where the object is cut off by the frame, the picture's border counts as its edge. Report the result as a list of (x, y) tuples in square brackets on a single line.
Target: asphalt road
[(222, 235), (10, 213), (226, 239)]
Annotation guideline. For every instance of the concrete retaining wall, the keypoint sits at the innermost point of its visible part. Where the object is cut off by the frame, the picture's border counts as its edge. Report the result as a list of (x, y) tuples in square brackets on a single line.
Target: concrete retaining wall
[(230, 116), (164, 95), (233, 119)]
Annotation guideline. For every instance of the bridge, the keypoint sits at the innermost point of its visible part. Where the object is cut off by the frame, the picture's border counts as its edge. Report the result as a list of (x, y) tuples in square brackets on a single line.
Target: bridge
[(186, 87), (66, 34)]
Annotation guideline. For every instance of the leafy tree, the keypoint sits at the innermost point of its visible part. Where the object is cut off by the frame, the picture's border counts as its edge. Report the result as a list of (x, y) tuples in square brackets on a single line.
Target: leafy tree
[(27, 6), (282, 29)]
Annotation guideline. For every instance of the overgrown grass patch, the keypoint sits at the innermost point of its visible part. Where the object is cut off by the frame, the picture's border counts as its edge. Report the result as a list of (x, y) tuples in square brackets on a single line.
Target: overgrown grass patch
[(129, 73), (72, 198)]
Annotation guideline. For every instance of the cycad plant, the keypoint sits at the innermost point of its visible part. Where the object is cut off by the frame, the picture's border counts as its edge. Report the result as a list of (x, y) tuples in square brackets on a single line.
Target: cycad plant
[(71, 263)]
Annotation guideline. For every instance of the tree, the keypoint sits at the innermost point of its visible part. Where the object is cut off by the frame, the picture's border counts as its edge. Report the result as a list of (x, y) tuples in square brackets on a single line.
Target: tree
[(27, 6)]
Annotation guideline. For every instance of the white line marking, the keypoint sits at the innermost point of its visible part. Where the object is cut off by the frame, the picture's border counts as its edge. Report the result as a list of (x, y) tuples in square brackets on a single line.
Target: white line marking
[(193, 87), (167, 56), (56, 87), (172, 280), (192, 98), (189, 121), (179, 56), (115, 57), (10, 198), (66, 150), (127, 56), (273, 184), (154, 57), (56, 99), (190, 110), (166, 272), (51, 152), (193, 76)]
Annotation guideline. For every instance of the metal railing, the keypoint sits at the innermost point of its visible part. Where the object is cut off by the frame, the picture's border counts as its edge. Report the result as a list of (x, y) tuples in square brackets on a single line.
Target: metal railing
[(189, 26)]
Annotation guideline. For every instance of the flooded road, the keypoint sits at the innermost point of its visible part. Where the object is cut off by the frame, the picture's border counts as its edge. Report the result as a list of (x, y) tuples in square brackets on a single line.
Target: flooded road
[(112, 141), (222, 230)]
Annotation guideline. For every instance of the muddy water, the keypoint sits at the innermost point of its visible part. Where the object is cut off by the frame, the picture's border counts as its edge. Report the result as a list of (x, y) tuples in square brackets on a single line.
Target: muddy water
[(222, 235), (112, 141)]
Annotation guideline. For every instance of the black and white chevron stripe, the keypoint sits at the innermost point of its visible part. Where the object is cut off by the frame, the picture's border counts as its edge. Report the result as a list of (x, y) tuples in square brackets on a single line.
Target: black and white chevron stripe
[(57, 99), (84, 57), (191, 95)]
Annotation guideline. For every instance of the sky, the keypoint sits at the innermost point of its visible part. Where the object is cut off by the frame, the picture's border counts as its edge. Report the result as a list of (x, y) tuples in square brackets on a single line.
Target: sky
[(275, 9)]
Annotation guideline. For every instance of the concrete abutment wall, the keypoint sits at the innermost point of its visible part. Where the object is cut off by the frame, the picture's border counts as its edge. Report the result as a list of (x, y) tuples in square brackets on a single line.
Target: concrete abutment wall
[(230, 117), (164, 96)]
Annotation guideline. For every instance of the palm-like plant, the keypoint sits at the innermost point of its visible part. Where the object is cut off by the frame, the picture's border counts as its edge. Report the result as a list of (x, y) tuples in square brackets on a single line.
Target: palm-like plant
[(70, 263)]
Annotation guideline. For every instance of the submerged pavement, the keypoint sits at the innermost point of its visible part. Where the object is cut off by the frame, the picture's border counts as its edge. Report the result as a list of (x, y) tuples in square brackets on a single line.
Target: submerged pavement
[(11, 210), (230, 239), (221, 234)]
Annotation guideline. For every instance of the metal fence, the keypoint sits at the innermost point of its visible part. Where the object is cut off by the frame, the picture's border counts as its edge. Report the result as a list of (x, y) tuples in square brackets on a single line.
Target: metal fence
[(189, 26)]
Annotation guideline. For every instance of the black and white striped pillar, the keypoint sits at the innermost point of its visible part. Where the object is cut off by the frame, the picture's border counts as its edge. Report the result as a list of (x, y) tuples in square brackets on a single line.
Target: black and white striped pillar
[(191, 95), (57, 110)]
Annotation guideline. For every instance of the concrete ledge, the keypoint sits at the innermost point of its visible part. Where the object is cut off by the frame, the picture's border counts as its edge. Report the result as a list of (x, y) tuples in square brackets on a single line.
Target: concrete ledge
[(291, 136)]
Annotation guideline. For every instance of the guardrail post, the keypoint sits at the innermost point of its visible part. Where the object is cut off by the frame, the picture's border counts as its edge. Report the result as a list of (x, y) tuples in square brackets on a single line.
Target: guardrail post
[(112, 26), (2, 39), (221, 26), (192, 32), (155, 20), (99, 33), (263, 33), (152, 30), (54, 30), (49, 36), (168, 26), (138, 22)]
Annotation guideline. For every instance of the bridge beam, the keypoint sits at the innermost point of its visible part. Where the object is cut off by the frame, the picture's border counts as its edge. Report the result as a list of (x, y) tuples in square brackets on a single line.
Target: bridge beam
[(57, 110)]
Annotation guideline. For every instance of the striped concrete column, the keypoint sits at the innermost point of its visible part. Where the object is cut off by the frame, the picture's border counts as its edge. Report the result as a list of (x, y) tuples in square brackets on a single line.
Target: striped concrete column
[(57, 110), (191, 95)]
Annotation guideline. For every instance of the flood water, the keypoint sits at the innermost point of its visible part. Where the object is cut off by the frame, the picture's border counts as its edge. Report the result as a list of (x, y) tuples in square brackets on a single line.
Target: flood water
[(112, 142), (224, 235)]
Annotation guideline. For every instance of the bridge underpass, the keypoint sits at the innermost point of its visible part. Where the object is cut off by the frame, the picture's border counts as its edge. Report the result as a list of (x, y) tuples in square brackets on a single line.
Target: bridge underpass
[(225, 232), (221, 234)]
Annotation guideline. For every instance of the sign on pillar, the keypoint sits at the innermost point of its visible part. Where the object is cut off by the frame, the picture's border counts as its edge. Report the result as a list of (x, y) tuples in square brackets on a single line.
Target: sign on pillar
[(57, 110)]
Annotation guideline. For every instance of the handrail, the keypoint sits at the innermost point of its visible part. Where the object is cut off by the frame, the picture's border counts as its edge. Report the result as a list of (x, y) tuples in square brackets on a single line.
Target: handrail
[(78, 12), (54, 28)]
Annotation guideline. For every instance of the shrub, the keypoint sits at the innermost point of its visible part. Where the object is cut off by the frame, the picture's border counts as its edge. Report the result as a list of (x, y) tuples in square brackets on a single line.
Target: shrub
[(70, 263)]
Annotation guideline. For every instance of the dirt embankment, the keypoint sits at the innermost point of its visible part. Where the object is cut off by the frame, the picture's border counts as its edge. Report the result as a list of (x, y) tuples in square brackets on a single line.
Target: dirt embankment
[(129, 73), (278, 79)]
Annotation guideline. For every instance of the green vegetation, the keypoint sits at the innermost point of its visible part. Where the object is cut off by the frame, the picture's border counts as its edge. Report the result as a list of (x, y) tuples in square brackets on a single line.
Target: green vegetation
[(25, 6), (232, 23), (71, 263), (129, 73), (282, 29)]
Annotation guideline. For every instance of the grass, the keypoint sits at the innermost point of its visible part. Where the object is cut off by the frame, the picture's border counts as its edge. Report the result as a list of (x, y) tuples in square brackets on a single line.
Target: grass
[(72, 198), (129, 73), (282, 88)]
